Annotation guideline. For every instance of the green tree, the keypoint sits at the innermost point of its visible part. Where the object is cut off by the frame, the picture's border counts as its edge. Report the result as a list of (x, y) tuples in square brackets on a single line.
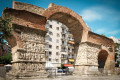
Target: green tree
[(6, 59), (116, 45), (103, 35), (5, 28)]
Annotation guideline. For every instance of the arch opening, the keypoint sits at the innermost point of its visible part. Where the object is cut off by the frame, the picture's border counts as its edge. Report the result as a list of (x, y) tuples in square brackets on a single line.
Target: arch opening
[(102, 59), (72, 23), (71, 20)]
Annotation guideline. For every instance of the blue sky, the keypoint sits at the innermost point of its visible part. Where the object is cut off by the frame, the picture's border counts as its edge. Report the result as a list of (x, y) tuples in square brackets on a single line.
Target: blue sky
[(102, 16)]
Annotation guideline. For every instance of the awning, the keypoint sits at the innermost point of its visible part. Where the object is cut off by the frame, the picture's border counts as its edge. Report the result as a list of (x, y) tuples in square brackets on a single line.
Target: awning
[(71, 60), (68, 65), (72, 42)]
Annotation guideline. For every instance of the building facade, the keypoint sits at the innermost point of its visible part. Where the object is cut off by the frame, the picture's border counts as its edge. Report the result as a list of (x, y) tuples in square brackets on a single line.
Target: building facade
[(5, 49), (117, 49), (59, 44)]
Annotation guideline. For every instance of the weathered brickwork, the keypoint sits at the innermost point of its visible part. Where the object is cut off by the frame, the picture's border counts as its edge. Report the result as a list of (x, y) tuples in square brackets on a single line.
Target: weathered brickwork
[(27, 19), (98, 39), (28, 7), (71, 19)]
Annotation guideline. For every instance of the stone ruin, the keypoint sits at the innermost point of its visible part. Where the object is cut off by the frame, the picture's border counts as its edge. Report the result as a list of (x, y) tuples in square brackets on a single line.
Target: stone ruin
[(28, 41)]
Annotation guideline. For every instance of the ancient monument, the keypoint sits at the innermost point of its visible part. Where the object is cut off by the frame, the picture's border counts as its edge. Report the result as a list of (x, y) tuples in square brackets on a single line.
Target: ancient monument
[(93, 51)]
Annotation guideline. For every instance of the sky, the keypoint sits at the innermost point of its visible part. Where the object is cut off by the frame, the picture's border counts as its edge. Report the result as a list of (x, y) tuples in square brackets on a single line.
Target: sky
[(102, 16)]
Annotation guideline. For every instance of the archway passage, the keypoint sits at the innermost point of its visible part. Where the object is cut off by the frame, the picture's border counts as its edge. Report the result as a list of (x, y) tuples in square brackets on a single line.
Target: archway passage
[(102, 58), (68, 17)]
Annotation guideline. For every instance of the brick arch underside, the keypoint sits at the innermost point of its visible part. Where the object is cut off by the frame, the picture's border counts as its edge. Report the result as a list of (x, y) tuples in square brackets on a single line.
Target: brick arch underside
[(102, 59), (68, 17)]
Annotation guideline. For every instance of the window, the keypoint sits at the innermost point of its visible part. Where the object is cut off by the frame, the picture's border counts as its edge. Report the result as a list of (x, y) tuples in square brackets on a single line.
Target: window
[(50, 46), (50, 39), (72, 50), (63, 49), (50, 53), (50, 26), (57, 53), (50, 33), (57, 47), (63, 35), (57, 28), (49, 59), (68, 49), (63, 30), (56, 60), (62, 42), (58, 35), (57, 41)]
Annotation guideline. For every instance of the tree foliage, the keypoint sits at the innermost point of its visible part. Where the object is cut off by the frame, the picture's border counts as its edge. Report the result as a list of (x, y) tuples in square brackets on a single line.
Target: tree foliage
[(5, 28), (116, 45), (6, 59)]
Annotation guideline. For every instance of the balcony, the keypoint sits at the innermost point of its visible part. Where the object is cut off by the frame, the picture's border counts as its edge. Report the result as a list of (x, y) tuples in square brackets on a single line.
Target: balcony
[(46, 42), (63, 57), (63, 32), (63, 26), (63, 50), (70, 57), (70, 35), (69, 52), (71, 46), (63, 39)]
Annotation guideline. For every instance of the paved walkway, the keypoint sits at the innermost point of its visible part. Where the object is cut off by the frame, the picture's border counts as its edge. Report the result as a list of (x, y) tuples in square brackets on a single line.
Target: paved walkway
[(115, 77), (1, 78), (81, 78)]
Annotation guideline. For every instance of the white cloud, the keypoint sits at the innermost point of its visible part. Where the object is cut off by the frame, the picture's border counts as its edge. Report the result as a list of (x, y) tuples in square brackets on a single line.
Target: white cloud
[(90, 15), (100, 13), (115, 32)]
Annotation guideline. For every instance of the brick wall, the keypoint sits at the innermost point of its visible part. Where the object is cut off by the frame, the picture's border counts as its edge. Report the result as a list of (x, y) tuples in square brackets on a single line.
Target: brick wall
[(101, 40), (25, 18), (27, 7)]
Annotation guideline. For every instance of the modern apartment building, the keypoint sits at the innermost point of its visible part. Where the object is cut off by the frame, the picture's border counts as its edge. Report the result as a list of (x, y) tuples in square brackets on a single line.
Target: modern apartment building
[(118, 56), (59, 44), (117, 51), (5, 49)]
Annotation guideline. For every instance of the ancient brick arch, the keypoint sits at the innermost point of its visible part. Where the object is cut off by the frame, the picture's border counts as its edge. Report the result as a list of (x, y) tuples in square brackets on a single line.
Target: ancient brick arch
[(29, 34), (71, 19)]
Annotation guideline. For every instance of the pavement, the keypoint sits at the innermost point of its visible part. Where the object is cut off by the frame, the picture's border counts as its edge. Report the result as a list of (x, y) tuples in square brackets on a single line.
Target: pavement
[(113, 77), (2, 78)]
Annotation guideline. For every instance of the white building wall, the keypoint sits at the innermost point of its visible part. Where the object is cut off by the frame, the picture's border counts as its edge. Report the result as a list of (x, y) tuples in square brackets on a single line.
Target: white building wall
[(56, 41), (53, 39)]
